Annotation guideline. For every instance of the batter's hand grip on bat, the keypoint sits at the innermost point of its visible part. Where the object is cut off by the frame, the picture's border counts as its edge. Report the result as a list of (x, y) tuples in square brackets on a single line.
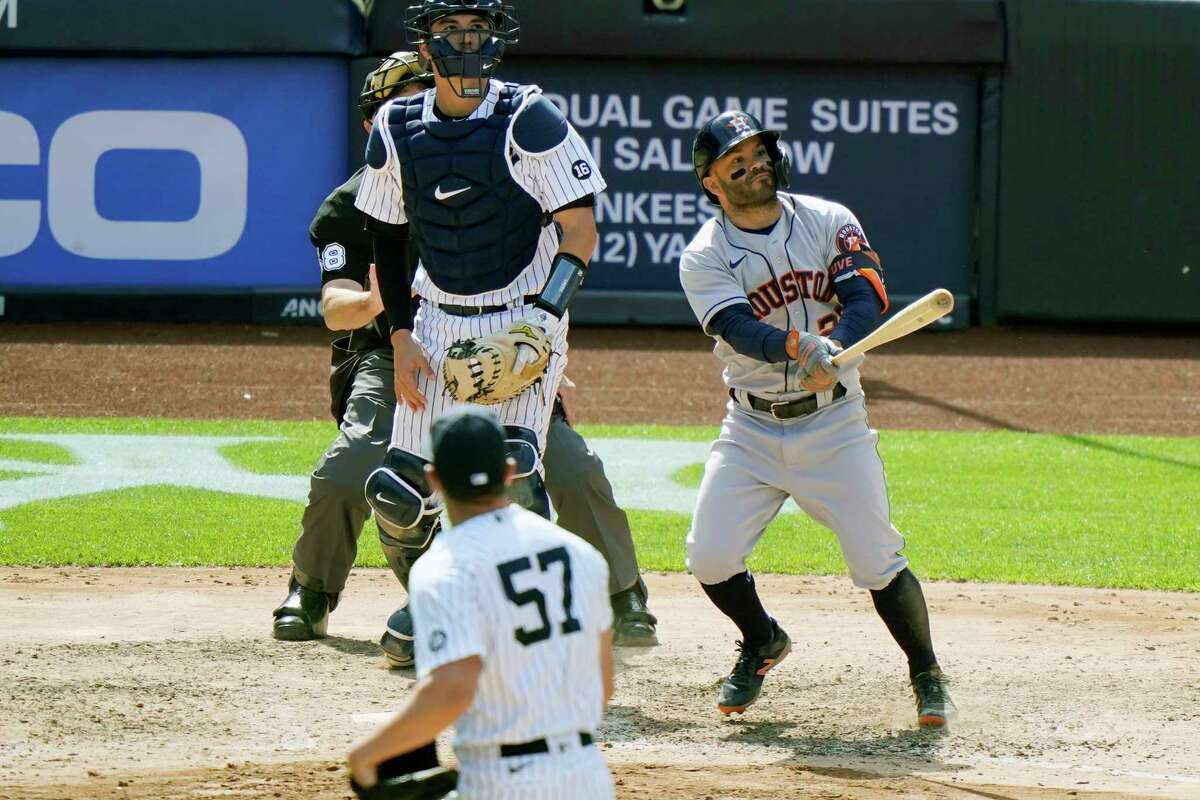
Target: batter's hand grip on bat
[(913, 317)]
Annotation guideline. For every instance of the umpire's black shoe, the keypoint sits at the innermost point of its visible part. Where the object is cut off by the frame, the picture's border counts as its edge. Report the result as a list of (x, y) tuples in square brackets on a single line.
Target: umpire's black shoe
[(633, 624), (397, 641), (742, 687), (303, 615), (934, 706)]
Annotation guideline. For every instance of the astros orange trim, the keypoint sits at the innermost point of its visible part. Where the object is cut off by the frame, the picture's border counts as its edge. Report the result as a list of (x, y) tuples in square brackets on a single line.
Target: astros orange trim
[(873, 278)]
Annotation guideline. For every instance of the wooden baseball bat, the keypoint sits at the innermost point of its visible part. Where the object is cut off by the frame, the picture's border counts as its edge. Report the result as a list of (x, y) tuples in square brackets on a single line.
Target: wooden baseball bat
[(913, 317)]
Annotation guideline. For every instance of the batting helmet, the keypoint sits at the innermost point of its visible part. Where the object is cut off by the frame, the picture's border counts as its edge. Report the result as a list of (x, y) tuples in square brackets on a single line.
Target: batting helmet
[(727, 130), (397, 70), (450, 58)]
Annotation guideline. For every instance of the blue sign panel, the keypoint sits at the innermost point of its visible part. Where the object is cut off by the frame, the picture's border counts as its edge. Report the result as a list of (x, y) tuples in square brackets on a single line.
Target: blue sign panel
[(896, 145), (166, 173)]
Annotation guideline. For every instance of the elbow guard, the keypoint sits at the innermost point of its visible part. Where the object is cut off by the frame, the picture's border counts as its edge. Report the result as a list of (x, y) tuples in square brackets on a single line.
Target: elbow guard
[(566, 276)]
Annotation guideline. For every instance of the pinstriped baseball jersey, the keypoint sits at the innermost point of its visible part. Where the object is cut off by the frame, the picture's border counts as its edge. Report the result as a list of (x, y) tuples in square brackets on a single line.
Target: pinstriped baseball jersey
[(554, 179), (437, 330), (529, 599), (782, 273)]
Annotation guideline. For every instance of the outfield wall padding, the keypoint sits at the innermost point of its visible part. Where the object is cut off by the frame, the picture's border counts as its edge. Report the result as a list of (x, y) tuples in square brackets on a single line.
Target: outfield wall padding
[(183, 26), (1100, 153)]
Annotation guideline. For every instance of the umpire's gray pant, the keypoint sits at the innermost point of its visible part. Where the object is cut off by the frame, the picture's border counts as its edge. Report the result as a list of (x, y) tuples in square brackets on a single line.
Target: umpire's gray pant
[(337, 507), (583, 498)]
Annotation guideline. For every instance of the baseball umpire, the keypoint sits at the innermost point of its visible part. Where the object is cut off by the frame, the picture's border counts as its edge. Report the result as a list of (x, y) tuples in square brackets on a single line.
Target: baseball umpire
[(363, 403), (783, 282)]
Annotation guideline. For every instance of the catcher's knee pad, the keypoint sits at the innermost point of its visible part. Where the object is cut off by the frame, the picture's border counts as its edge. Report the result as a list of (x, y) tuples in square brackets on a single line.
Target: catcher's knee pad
[(400, 495), (528, 489)]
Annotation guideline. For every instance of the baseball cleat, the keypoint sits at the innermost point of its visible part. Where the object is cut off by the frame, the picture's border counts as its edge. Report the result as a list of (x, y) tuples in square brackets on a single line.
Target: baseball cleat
[(934, 706), (744, 684), (397, 641), (303, 615), (633, 624)]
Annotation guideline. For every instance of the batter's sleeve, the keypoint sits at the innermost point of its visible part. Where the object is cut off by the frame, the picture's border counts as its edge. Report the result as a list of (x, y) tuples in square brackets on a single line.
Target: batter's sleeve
[(447, 622), (381, 195), (562, 175), (709, 284)]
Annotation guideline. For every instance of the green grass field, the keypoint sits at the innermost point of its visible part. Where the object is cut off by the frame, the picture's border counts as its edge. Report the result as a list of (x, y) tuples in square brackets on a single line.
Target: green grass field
[(1112, 511)]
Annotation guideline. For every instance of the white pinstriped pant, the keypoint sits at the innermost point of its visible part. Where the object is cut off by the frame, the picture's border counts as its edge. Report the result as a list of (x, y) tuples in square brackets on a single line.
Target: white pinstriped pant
[(569, 770), (436, 331)]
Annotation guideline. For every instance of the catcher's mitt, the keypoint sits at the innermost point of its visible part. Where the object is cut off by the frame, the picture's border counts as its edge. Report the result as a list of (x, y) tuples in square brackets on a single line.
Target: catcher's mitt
[(482, 370)]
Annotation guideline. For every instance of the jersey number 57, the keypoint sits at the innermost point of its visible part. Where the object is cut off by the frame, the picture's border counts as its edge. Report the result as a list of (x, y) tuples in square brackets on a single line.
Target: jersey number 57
[(546, 558)]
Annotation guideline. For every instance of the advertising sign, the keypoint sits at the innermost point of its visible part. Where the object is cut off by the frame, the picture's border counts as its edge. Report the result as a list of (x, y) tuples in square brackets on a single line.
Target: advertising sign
[(166, 173), (896, 145)]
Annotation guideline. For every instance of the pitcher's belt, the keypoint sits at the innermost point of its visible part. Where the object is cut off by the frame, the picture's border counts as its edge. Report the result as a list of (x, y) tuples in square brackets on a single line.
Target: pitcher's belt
[(788, 409), (475, 311), (537, 746)]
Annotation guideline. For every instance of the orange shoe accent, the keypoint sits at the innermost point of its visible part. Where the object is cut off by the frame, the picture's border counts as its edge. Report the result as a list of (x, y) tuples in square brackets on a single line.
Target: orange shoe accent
[(931, 721)]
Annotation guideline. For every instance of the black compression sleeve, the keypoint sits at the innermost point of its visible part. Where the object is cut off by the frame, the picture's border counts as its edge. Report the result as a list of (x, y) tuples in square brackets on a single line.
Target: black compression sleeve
[(861, 309), (395, 276), (749, 337)]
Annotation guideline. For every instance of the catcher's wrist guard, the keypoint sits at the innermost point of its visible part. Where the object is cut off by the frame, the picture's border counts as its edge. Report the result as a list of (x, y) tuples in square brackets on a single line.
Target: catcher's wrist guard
[(566, 276)]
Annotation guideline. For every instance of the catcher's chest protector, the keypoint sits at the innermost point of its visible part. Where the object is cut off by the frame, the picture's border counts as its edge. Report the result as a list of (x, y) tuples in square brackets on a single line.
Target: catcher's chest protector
[(474, 226)]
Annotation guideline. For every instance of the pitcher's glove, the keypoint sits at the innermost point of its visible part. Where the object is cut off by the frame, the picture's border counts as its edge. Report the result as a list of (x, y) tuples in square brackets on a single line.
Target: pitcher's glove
[(497, 367), (428, 784)]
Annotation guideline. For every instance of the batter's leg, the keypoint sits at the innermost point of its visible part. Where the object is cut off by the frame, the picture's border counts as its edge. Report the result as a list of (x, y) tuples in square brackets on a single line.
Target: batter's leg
[(840, 481), (333, 518), (733, 508), (583, 498)]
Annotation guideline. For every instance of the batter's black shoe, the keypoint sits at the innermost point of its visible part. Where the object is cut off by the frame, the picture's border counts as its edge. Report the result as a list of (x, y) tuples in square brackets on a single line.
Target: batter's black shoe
[(742, 687), (397, 641), (633, 624), (303, 615), (934, 706)]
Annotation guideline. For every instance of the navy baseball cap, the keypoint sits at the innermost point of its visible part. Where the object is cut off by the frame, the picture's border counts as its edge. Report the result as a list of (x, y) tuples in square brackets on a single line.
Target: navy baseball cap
[(469, 453)]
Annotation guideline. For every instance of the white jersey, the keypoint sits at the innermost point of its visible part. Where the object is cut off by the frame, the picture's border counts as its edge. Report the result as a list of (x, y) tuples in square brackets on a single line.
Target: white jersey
[(529, 599), (554, 179), (784, 275)]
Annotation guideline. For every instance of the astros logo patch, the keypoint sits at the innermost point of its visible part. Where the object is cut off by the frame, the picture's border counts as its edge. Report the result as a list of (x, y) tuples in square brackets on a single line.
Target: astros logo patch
[(850, 238)]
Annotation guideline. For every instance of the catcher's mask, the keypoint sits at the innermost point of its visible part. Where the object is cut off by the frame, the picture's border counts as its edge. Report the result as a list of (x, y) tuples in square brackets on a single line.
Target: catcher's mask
[(467, 53), (398, 70), (727, 130)]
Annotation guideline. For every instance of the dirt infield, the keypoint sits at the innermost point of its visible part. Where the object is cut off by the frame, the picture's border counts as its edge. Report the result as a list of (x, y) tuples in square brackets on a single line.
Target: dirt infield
[(1028, 379), (154, 684), (129, 683)]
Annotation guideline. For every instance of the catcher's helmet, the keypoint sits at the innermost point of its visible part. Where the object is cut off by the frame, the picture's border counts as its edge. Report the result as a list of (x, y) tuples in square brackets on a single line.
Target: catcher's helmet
[(449, 56), (394, 72), (727, 130)]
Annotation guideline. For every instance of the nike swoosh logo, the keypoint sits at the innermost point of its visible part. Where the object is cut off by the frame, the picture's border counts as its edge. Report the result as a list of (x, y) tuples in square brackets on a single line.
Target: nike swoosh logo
[(440, 195), (517, 767), (734, 264)]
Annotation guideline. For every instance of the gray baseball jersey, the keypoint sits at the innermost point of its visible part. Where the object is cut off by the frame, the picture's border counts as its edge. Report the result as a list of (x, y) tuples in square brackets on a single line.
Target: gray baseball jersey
[(531, 601), (782, 273), (827, 461)]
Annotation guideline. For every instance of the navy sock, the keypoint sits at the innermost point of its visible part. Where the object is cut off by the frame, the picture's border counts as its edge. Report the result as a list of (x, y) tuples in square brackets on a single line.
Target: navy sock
[(901, 605), (738, 599)]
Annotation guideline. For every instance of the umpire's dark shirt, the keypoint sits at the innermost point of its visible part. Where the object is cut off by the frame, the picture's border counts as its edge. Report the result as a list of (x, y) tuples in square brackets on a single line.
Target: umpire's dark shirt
[(345, 251)]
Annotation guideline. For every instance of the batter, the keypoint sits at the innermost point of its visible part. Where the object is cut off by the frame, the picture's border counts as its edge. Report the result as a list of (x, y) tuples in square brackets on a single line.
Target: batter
[(783, 282)]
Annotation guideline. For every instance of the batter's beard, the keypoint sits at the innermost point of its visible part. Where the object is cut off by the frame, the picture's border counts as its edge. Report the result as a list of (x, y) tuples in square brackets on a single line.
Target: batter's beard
[(751, 195)]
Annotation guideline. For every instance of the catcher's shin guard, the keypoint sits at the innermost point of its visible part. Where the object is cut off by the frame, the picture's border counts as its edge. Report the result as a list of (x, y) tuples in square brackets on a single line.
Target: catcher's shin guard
[(401, 497), (528, 489)]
